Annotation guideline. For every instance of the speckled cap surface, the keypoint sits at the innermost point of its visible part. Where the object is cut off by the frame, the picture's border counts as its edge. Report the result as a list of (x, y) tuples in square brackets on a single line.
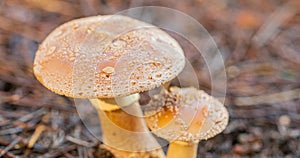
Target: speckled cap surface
[(106, 56), (186, 114)]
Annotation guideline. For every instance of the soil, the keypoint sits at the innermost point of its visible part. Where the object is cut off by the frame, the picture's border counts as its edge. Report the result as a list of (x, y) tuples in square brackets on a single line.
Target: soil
[(259, 42)]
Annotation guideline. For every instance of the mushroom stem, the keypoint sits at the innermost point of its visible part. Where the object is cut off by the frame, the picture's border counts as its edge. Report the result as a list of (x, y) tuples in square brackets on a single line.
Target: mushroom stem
[(182, 149), (125, 132), (166, 85)]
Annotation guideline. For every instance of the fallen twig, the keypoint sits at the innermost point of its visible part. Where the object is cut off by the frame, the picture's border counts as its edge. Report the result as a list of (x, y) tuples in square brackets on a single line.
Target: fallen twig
[(10, 155), (28, 117), (67, 155), (38, 131), (11, 131), (272, 25), (80, 142), (268, 99), (29, 103), (58, 152), (10, 146)]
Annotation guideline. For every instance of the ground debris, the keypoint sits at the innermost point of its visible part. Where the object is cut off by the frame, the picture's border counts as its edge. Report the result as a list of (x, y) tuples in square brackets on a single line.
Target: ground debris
[(259, 41)]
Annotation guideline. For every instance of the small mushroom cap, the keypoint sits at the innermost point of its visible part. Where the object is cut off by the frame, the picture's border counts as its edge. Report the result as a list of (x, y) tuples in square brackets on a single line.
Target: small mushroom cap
[(186, 114), (106, 56)]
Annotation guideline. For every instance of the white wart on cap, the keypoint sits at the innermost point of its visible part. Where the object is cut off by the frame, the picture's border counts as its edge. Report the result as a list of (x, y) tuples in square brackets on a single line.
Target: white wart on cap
[(106, 56), (186, 114)]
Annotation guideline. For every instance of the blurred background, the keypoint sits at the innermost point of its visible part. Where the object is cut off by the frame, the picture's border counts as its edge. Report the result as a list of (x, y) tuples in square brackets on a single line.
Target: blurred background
[(260, 44)]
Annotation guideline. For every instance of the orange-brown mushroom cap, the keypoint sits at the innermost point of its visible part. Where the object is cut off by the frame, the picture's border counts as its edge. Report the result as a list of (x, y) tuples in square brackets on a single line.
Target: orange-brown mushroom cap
[(186, 114), (106, 56)]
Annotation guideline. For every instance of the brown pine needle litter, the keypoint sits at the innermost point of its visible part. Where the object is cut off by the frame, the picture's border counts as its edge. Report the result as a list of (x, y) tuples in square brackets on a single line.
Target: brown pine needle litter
[(269, 98), (259, 41)]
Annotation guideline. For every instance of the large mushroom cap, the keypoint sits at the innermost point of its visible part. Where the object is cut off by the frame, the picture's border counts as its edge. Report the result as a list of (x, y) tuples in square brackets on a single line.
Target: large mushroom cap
[(106, 56), (186, 114)]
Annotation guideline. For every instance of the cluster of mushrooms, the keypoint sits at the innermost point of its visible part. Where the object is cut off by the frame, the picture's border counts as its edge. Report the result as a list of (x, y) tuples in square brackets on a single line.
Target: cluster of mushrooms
[(110, 60)]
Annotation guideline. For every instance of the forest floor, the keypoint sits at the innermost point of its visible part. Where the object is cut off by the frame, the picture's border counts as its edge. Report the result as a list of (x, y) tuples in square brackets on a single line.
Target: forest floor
[(260, 44)]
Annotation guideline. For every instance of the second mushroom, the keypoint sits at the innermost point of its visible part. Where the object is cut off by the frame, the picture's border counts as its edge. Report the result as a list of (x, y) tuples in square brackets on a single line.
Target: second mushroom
[(185, 116)]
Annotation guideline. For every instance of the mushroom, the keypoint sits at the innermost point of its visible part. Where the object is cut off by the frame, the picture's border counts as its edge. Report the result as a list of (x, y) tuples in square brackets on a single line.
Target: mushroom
[(109, 60), (185, 116)]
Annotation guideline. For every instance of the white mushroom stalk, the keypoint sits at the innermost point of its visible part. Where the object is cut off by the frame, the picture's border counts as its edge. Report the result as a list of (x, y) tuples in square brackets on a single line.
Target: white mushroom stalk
[(109, 60), (185, 116)]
